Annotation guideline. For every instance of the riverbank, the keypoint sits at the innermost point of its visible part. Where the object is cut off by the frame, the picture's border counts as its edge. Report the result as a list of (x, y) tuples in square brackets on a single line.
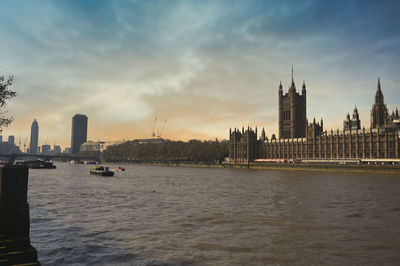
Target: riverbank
[(345, 168), (357, 168)]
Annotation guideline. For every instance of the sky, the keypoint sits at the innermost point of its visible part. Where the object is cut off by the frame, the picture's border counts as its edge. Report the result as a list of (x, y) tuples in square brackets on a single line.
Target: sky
[(200, 67)]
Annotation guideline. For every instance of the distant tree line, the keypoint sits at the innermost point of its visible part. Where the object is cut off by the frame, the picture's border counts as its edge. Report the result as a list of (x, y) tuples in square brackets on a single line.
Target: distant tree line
[(193, 151)]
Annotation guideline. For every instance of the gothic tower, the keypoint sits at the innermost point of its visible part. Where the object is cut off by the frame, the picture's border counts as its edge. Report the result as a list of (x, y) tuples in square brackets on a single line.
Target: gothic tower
[(292, 112), (379, 113)]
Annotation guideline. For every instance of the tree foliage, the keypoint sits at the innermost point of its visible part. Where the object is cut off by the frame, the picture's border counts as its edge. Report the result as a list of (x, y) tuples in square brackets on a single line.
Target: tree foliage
[(194, 151), (5, 94)]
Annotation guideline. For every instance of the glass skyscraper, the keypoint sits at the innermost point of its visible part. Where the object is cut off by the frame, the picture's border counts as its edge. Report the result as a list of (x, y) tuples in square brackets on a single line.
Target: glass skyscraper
[(33, 147), (79, 132)]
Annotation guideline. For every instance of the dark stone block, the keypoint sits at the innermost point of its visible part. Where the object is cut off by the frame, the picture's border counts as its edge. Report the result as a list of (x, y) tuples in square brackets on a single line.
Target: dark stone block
[(15, 245), (13, 185)]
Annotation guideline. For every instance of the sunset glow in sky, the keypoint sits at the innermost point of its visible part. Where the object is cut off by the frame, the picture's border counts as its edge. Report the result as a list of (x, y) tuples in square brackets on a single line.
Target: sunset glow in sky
[(201, 65)]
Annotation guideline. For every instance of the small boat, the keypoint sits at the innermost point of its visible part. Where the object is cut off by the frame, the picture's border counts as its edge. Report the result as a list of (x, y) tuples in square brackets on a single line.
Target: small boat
[(100, 170), (119, 168), (89, 162), (76, 162), (41, 165)]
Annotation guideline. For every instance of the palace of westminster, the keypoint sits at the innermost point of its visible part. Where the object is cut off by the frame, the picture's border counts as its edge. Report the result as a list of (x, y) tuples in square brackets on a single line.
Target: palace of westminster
[(300, 140)]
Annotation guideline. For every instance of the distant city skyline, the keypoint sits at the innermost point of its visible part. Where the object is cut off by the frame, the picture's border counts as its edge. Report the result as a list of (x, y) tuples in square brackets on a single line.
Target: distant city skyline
[(202, 66)]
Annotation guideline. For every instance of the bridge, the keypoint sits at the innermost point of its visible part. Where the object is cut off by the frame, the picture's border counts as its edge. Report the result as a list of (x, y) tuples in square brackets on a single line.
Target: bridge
[(10, 158)]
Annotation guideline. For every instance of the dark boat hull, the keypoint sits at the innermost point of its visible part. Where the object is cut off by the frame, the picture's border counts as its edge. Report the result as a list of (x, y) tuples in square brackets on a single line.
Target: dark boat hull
[(102, 173), (43, 167)]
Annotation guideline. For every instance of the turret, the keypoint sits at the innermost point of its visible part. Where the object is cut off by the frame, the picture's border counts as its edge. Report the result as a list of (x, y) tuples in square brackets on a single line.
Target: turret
[(263, 134), (280, 89), (322, 125), (303, 91), (355, 113)]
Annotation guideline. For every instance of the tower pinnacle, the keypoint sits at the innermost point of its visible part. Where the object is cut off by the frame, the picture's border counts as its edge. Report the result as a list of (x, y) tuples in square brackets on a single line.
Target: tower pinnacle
[(379, 94), (292, 74), (292, 86)]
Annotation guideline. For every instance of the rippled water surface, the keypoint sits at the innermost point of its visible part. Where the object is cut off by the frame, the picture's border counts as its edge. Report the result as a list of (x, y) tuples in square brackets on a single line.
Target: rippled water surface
[(201, 216)]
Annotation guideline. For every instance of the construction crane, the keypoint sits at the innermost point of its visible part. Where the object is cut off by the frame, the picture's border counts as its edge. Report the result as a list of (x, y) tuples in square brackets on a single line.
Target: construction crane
[(162, 127), (153, 133)]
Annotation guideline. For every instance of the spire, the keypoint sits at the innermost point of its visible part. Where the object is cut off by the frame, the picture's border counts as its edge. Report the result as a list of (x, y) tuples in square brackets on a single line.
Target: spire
[(292, 74), (292, 86), (280, 88), (397, 112), (379, 83), (379, 94)]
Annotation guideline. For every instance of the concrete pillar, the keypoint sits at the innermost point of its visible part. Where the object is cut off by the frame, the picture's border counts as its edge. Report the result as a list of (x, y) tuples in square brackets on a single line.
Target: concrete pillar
[(13, 201)]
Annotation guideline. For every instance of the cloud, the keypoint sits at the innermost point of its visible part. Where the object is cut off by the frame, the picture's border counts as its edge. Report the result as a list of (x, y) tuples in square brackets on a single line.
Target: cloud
[(206, 65)]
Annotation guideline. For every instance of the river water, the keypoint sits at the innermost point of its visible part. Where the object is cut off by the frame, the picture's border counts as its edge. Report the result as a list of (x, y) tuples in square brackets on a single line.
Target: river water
[(206, 216)]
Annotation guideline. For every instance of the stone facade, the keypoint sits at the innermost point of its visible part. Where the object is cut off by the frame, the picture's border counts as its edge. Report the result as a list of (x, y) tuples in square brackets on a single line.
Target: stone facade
[(379, 142)]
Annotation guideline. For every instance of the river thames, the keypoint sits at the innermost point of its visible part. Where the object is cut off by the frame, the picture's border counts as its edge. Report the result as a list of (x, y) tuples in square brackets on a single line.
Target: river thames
[(210, 216)]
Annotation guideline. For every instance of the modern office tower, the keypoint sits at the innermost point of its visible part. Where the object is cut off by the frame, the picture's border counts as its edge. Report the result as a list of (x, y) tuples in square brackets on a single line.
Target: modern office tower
[(46, 149), (11, 140), (57, 149), (79, 132), (33, 147)]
